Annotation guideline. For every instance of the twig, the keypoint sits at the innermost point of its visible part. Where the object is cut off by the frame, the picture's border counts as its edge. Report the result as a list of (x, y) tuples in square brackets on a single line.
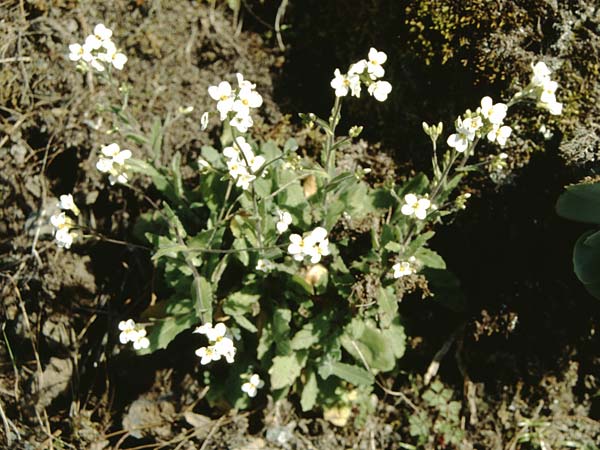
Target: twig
[(434, 366), (468, 385), (212, 431), (380, 384), (15, 59), (7, 426), (278, 17)]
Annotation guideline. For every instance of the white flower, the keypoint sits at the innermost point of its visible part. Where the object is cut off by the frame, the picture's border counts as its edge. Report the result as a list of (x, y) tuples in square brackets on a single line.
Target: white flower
[(380, 90), (465, 133), (241, 122), (93, 42), (284, 219), (63, 235), (358, 68), (317, 251), (546, 132), (548, 94), (102, 33), (499, 134), (112, 56), (134, 333), (253, 385), (77, 52), (296, 247), (547, 97), (554, 108), (141, 342), (249, 98), (224, 96), (207, 355), (203, 329), (315, 245), (113, 163), (244, 84), (59, 220), (204, 121), (415, 206), (344, 83), (217, 332), (236, 168), (242, 162), (254, 162), (128, 328), (225, 348), (66, 203), (264, 265), (541, 73), (64, 238), (374, 63), (220, 344), (404, 268), (494, 113)]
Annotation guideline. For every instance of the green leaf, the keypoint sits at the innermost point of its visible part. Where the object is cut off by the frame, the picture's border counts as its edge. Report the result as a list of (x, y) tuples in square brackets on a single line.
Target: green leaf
[(352, 374), (270, 151), (416, 185), (429, 258), (176, 169), (388, 306), (156, 137), (357, 200), (580, 202), (309, 392), (202, 297), (291, 145), (281, 329), (334, 211), (395, 337), (239, 304), (418, 242), (586, 261), (174, 220), (286, 369), (169, 249), (304, 338), (364, 341), (164, 331), (158, 179)]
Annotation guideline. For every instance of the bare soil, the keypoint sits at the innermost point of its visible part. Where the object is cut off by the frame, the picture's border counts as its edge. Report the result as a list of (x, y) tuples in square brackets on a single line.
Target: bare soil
[(524, 356)]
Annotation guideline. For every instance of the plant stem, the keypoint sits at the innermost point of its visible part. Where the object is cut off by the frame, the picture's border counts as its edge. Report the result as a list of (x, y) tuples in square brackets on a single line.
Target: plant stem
[(258, 219), (330, 150)]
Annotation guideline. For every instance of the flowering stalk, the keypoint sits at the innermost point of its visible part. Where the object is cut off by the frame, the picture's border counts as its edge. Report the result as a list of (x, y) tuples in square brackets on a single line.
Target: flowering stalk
[(258, 221)]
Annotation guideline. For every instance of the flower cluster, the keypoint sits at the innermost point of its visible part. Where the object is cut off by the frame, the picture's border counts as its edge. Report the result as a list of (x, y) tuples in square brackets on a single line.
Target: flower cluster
[(113, 162), (544, 88), (264, 265), (404, 268), (252, 386), (314, 246), (63, 224), (416, 206), (133, 332), (284, 220), (221, 345), (487, 121), (98, 50), (242, 163), (235, 104), (366, 71)]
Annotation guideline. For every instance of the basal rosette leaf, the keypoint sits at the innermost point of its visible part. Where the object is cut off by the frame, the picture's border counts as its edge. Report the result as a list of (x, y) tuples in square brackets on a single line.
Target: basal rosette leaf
[(586, 261)]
